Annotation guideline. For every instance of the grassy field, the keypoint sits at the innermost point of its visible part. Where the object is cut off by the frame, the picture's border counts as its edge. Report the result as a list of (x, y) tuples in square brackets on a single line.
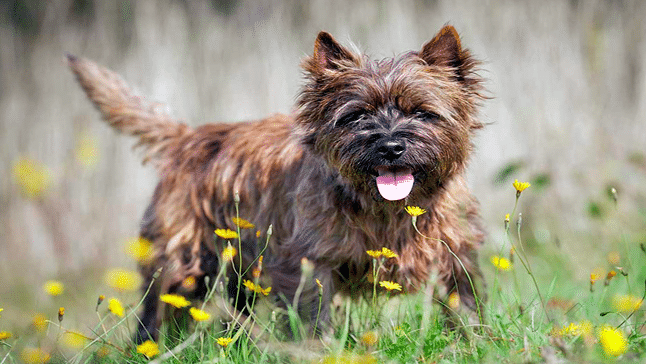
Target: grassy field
[(535, 311)]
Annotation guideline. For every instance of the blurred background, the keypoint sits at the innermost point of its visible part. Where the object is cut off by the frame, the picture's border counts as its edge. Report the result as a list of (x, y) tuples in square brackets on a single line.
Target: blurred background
[(567, 81)]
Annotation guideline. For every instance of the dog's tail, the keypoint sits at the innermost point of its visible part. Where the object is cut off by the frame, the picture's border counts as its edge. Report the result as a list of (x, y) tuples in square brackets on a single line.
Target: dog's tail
[(126, 112)]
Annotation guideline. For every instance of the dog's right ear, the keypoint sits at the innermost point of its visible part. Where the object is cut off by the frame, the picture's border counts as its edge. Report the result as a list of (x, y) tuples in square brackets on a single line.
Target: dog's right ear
[(328, 55)]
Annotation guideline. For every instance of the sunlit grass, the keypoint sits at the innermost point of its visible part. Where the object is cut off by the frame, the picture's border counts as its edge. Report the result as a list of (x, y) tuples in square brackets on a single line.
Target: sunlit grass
[(530, 315)]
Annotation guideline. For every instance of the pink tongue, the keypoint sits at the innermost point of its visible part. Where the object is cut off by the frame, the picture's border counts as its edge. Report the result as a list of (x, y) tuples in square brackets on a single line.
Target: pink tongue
[(395, 186)]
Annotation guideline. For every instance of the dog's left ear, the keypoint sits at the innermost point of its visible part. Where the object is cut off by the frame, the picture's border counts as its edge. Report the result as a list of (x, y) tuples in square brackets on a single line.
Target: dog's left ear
[(444, 49)]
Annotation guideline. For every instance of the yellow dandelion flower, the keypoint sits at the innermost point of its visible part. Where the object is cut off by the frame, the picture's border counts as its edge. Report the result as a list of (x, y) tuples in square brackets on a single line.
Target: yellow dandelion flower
[(226, 234), (626, 303), (613, 341), (369, 338), (349, 358), (609, 276), (31, 176), (115, 306), (87, 154), (74, 339), (53, 288), (454, 301), (520, 187), (318, 283), (256, 288), (388, 253), (141, 249), (175, 300), (614, 258), (99, 300), (576, 329), (571, 329), (189, 283), (103, 352), (149, 348), (224, 341), (122, 280), (198, 315), (390, 285), (1, 309), (34, 356), (415, 210), (255, 272), (594, 277), (501, 263), (242, 223), (258, 233), (229, 253), (39, 321), (585, 328), (5, 335), (61, 314), (375, 253)]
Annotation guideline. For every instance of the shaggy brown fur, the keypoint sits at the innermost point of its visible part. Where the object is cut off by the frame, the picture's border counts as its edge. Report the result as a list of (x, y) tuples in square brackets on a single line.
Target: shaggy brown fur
[(312, 175)]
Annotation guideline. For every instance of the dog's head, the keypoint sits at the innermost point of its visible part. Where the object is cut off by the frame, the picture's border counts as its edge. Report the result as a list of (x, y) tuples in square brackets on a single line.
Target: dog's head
[(397, 128)]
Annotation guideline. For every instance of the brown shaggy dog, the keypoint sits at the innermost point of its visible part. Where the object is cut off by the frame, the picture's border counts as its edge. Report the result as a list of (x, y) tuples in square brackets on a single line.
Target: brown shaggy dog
[(367, 139)]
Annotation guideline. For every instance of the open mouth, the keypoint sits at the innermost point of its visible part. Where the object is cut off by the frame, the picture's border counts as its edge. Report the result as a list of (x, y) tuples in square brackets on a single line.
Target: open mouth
[(394, 183)]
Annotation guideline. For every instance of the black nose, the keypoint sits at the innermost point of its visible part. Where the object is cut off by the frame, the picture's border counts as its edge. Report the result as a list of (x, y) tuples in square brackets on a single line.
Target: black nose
[(391, 149)]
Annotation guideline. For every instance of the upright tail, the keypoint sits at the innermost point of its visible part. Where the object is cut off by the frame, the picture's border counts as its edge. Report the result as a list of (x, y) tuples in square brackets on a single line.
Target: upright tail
[(126, 112)]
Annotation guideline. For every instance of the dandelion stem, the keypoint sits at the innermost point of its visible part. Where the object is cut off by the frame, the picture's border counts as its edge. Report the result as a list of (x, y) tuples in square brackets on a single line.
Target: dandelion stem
[(104, 336), (299, 291), (375, 273), (177, 349), (507, 226), (525, 262), (100, 321), (318, 312), (236, 199), (262, 251), (473, 289), (346, 327), (6, 356)]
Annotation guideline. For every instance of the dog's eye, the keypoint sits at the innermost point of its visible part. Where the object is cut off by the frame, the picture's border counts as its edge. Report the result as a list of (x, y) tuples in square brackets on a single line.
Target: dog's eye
[(427, 116), (350, 117)]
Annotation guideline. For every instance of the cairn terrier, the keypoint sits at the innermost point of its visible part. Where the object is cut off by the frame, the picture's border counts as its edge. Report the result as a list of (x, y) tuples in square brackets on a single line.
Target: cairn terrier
[(367, 139)]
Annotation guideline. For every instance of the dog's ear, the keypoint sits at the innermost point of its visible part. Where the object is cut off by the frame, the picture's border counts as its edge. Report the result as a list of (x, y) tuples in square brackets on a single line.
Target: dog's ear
[(329, 55), (444, 49)]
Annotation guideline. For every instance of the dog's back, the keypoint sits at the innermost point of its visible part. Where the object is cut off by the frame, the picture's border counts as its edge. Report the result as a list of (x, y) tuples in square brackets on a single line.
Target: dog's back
[(200, 169)]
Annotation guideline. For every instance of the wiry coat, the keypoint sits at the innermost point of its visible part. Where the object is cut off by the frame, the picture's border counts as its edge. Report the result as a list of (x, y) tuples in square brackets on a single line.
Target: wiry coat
[(311, 176)]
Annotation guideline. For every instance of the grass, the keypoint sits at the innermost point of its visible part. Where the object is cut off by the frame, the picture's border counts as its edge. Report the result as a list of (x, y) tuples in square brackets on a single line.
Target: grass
[(535, 312)]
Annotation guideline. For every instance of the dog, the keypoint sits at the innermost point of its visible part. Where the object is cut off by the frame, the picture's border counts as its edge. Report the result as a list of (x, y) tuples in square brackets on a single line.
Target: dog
[(367, 139)]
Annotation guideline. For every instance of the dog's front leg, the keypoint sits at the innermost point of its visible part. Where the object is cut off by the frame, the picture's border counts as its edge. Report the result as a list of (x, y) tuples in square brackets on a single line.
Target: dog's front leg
[(306, 288)]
